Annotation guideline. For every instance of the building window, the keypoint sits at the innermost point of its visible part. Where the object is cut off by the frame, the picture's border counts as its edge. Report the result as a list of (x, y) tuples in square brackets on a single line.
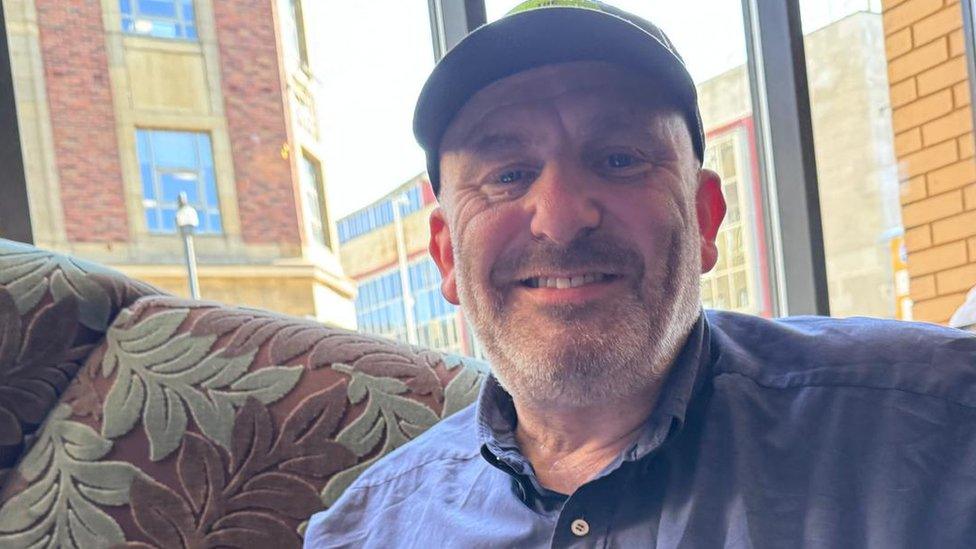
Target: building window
[(734, 284), (378, 215), (379, 308), (171, 163), (159, 18), (296, 32), (313, 204)]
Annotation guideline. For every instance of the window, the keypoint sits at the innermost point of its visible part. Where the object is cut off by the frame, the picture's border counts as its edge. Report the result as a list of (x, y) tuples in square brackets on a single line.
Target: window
[(378, 216), (736, 282), (380, 310), (173, 162), (159, 18), (295, 32), (436, 317), (312, 203), (858, 176), (379, 306)]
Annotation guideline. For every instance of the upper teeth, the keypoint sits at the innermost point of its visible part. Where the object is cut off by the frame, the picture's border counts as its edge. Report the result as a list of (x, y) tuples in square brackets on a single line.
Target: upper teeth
[(564, 282)]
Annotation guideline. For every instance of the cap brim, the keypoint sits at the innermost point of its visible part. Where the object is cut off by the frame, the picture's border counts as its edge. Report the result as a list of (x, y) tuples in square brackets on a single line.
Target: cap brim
[(532, 39)]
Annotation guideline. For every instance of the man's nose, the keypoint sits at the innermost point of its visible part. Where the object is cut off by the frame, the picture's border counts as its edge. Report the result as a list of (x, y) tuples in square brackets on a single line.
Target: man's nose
[(564, 205)]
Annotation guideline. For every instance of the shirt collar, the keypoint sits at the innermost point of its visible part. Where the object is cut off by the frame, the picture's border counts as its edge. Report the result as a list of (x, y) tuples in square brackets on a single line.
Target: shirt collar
[(496, 412)]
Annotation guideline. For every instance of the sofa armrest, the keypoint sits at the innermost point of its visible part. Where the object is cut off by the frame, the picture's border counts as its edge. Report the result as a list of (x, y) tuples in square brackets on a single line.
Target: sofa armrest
[(53, 311), (195, 424)]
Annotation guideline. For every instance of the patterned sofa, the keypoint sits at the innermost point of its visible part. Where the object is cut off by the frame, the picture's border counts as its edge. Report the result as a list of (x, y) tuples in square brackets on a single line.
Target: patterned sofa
[(136, 419)]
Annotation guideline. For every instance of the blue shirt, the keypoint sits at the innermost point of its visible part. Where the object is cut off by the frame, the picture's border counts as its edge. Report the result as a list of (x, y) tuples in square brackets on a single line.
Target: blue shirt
[(802, 432)]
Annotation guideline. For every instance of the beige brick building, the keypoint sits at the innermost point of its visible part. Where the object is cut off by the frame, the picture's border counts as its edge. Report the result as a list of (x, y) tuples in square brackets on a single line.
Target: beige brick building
[(929, 77)]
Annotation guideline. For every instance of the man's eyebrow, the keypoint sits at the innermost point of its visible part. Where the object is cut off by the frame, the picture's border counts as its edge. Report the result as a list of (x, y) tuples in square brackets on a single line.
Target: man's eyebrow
[(496, 142), (620, 122)]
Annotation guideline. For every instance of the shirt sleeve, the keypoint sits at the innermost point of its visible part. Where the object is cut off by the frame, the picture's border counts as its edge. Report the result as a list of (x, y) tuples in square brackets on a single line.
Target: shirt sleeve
[(342, 525)]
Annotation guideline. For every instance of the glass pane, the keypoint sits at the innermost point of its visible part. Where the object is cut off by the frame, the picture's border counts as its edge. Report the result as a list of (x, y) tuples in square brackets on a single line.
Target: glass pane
[(209, 186), (148, 187), (160, 8), (125, 7), (718, 67), (152, 219), (174, 149), (847, 73), (213, 223), (167, 219), (172, 184)]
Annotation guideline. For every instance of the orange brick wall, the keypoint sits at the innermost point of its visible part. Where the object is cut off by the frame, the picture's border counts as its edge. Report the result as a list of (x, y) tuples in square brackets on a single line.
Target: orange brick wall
[(930, 96)]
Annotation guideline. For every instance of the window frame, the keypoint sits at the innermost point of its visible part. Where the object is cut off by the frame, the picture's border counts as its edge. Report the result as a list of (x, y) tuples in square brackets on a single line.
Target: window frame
[(180, 21), (204, 209)]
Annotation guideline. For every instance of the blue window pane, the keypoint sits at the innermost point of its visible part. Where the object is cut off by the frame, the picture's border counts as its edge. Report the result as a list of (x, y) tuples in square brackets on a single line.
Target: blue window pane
[(191, 32), (172, 184), (203, 146), (152, 221), (148, 191), (168, 218), (125, 7), (165, 29), (128, 25), (158, 8), (142, 146), (209, 187), (213, 223), (175, 149)]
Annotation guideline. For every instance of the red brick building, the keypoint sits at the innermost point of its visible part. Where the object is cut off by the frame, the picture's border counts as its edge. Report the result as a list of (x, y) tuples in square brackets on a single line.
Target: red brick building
[(122, 105)]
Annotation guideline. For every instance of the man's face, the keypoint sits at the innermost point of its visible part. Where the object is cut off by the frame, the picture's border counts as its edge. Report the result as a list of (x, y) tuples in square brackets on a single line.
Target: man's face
[(575, 224)]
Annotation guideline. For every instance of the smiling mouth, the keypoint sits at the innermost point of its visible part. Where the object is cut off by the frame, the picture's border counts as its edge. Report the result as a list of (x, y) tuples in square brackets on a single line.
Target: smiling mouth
[(562, 283)]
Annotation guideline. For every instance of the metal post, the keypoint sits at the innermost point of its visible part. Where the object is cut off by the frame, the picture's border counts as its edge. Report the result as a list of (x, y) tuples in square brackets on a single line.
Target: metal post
[(191, 264), (452, 20), (781, 103), (401, 247), (15, 222), (969, 38), (187, 220)]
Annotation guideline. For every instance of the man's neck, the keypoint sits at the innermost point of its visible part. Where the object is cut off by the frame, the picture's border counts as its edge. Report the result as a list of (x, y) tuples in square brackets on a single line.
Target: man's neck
[(569, 446)]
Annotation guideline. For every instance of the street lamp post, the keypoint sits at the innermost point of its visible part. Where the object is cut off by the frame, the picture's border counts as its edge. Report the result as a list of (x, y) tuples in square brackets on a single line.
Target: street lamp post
[(188, 220), (401, 247)]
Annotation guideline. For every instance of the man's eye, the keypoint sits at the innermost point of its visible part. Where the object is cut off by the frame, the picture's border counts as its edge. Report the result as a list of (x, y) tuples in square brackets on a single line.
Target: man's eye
[(514, 176), (620, 160)]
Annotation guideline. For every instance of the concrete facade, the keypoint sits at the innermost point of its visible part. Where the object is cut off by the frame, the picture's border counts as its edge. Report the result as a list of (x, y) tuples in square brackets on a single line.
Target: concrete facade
[(855, 165), (83, 88), (928, 73)]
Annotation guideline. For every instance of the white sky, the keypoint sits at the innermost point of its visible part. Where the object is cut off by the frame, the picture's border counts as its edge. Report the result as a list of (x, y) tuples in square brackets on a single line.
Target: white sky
[(371, 58)]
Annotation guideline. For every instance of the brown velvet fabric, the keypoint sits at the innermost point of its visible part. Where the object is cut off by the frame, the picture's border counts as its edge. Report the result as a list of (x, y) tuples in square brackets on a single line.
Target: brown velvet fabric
[(192, 424)]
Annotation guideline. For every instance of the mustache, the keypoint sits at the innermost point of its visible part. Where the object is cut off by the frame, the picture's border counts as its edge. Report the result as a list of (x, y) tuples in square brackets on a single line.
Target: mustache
[(590, 252)]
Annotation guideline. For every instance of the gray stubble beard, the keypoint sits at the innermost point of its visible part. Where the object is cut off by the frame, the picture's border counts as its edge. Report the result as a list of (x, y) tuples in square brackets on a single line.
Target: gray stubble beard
[(625, 358)]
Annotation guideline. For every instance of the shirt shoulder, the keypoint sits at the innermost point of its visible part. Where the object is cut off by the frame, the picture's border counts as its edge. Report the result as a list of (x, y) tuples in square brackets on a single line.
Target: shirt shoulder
[(411, 470), (915, 357), (451, 439)]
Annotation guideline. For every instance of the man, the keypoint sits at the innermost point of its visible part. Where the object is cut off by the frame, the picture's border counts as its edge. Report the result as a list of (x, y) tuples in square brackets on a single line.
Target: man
[(566, 148)]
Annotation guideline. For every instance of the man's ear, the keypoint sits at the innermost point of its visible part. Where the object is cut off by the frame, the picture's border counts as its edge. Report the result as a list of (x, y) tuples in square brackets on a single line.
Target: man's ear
[(710, 206), (442, 251)]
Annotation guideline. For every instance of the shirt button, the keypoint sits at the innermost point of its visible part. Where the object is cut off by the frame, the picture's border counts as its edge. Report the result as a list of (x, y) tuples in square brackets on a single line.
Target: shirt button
[(579, 527)]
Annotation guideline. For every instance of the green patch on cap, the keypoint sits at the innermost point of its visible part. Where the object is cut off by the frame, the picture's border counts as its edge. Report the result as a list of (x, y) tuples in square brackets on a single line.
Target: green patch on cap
[(534, 4)]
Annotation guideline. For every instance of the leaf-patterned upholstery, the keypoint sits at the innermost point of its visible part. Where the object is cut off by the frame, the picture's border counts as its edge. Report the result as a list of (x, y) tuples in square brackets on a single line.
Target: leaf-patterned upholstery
[(192, 424), (53, 311)]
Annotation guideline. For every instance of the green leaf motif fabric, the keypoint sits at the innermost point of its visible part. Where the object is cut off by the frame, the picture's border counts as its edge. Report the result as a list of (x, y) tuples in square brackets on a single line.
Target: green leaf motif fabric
[(67, 483), (161, 422), (162, 374), (53, 310)]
